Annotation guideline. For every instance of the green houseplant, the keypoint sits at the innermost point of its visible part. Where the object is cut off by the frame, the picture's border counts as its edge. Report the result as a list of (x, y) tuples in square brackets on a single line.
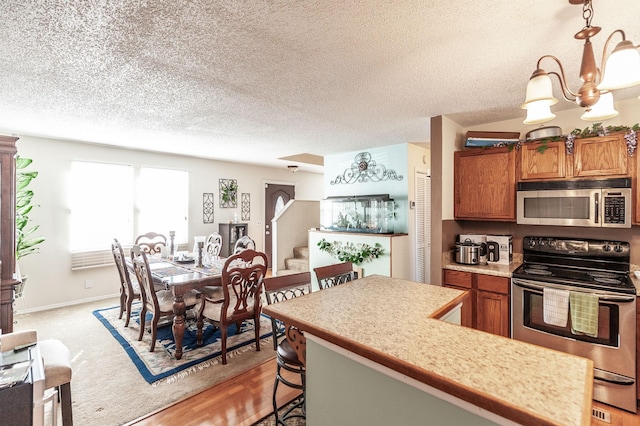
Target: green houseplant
[(26, 242), (350, 252)]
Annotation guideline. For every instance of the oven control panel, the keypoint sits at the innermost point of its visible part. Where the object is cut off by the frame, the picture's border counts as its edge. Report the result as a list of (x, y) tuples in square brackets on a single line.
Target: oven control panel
[(599, 248)]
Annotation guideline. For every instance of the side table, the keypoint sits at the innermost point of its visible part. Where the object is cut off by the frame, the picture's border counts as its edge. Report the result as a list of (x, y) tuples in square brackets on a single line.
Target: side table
[(22, 404)]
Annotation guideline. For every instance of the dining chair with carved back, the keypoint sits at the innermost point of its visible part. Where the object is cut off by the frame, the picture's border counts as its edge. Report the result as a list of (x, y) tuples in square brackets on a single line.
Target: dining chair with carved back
[(241, 297), (336, 274), (244, 243), (159, 304), (213, 244), (129, 287), (278, 289), (151, 242)]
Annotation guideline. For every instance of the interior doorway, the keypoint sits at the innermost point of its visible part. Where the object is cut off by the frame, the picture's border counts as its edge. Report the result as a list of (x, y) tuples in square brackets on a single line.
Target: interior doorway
[(423, 228), (276, 196)]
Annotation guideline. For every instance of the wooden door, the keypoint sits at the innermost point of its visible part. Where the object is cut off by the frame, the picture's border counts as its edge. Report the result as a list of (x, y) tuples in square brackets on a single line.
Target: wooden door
[(492, 313), (601, 157), (276, 196), (485, 184), (492, 304), (550, 164)]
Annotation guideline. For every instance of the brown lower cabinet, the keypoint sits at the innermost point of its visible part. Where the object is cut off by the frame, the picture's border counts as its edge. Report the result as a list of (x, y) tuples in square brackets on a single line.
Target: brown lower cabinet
[(638, 349), (489, 307)]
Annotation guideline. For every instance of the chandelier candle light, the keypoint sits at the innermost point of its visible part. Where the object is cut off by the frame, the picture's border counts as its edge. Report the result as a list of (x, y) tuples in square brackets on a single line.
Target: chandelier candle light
[(621, 69)]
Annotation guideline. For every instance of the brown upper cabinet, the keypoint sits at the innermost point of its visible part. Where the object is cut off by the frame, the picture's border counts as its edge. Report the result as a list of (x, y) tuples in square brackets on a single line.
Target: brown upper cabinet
[(592, 157), (604, 156), (536, 165), (485, 184)]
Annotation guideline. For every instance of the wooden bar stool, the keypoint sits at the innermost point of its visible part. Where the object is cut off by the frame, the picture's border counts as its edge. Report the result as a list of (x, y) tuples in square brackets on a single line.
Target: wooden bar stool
[(57, 372)]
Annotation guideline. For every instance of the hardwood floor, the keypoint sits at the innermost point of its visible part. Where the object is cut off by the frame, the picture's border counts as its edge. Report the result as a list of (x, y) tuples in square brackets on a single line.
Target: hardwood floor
[(246, 398), (241, 400), (618, 417)]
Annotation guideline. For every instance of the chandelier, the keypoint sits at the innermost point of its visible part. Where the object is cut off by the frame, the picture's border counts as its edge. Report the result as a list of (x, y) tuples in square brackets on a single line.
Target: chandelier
[(621, 69)]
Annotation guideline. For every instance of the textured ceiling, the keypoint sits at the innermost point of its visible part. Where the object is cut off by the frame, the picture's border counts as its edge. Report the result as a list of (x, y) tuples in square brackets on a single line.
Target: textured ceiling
[(254, 80)]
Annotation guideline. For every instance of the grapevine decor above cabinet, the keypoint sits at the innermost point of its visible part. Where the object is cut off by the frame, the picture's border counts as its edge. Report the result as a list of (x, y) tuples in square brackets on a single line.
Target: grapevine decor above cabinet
[(597, 130), (364, 169), (228, 193)]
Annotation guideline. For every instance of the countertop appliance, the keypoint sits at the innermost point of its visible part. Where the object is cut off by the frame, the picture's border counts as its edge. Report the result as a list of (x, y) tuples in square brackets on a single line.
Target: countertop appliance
[(577, 267), (595, 202), (470, 253), (543, 133)]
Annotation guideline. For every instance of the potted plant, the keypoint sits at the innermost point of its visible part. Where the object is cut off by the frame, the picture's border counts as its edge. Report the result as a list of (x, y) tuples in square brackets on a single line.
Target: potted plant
[(26, 243)]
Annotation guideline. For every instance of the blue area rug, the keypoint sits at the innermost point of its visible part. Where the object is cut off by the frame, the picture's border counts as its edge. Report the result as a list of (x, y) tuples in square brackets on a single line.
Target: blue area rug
[(161, 364)]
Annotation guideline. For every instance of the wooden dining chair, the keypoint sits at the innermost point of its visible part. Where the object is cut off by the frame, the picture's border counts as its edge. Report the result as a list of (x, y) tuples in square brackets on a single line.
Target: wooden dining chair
[(242, 279), (277, 289), (213, 244), (157, 303), (283, 287), (244, 243), (332, 275), (129, 288), (151, 242)]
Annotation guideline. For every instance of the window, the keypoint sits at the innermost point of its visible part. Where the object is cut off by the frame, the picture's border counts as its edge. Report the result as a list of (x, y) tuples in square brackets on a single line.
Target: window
[(101, 205), (163, 202), (110, 201)]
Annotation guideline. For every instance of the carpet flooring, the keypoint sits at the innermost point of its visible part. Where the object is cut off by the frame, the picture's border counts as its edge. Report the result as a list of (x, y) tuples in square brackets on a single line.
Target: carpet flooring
[(106, 388)]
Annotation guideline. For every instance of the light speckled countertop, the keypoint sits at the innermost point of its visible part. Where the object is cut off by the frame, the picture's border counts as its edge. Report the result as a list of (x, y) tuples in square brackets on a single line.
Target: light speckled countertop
[(506, 270), (391, 321), (499, 270)]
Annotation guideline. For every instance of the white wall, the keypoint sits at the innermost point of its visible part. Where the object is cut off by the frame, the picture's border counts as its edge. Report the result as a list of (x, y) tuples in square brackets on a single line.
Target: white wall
[(290, 229), (51, 282), (393, 158), (629, 114)]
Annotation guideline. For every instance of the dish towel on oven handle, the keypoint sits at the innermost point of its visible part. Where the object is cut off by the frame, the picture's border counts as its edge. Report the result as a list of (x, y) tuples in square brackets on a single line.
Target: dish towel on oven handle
[(555, 306), (584, 313)]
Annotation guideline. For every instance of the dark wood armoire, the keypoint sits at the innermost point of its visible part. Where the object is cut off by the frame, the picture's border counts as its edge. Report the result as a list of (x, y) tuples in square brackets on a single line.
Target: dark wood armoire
[(7, 230)]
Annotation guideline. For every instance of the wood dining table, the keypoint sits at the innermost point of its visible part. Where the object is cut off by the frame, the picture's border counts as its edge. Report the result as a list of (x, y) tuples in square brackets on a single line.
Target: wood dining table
[(180, 277)]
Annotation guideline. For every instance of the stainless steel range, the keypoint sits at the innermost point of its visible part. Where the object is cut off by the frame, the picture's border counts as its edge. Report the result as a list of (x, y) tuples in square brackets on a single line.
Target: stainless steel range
[(556, 275)]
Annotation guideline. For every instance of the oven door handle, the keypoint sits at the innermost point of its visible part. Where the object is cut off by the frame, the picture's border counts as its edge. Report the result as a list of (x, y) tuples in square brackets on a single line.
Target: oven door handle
[(603, 297), (609, 377)]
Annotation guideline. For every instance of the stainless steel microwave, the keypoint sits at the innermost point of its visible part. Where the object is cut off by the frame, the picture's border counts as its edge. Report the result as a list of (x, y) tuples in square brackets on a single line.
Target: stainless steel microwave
[(599, 202)]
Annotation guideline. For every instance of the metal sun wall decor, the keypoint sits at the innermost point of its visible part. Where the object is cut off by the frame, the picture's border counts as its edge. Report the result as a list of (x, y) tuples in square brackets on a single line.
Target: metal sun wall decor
[(207, 207), (246, 206), (228, 193), (364, 169)]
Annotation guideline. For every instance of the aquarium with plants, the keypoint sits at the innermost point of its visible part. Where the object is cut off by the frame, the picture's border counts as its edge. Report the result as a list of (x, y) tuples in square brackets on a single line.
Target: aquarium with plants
[(372, 214)]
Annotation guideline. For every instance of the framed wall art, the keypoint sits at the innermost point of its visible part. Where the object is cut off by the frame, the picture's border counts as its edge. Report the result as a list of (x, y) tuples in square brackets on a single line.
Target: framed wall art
[(246, 206), (228, 193), (207, 207)]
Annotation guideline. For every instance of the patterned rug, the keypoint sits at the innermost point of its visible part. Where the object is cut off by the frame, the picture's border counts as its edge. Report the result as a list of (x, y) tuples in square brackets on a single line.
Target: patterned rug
[(161, 364)]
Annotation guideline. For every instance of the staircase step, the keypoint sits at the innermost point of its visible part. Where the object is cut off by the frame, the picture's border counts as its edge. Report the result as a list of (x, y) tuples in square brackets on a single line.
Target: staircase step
[(301, 252), (295, 264)]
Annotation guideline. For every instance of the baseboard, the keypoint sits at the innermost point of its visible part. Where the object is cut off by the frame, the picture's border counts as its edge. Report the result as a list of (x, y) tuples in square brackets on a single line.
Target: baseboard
[(65, 304)]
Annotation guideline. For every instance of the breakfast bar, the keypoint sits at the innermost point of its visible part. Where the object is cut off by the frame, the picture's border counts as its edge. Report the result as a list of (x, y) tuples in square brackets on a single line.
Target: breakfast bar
[(383, 350)]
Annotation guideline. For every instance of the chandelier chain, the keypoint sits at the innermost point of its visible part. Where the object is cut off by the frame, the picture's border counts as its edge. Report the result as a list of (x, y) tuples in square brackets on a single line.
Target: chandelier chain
[(587, 13)]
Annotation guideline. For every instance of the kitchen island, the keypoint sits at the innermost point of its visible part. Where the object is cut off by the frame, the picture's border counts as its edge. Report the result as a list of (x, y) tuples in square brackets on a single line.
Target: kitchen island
[(378, 353)]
